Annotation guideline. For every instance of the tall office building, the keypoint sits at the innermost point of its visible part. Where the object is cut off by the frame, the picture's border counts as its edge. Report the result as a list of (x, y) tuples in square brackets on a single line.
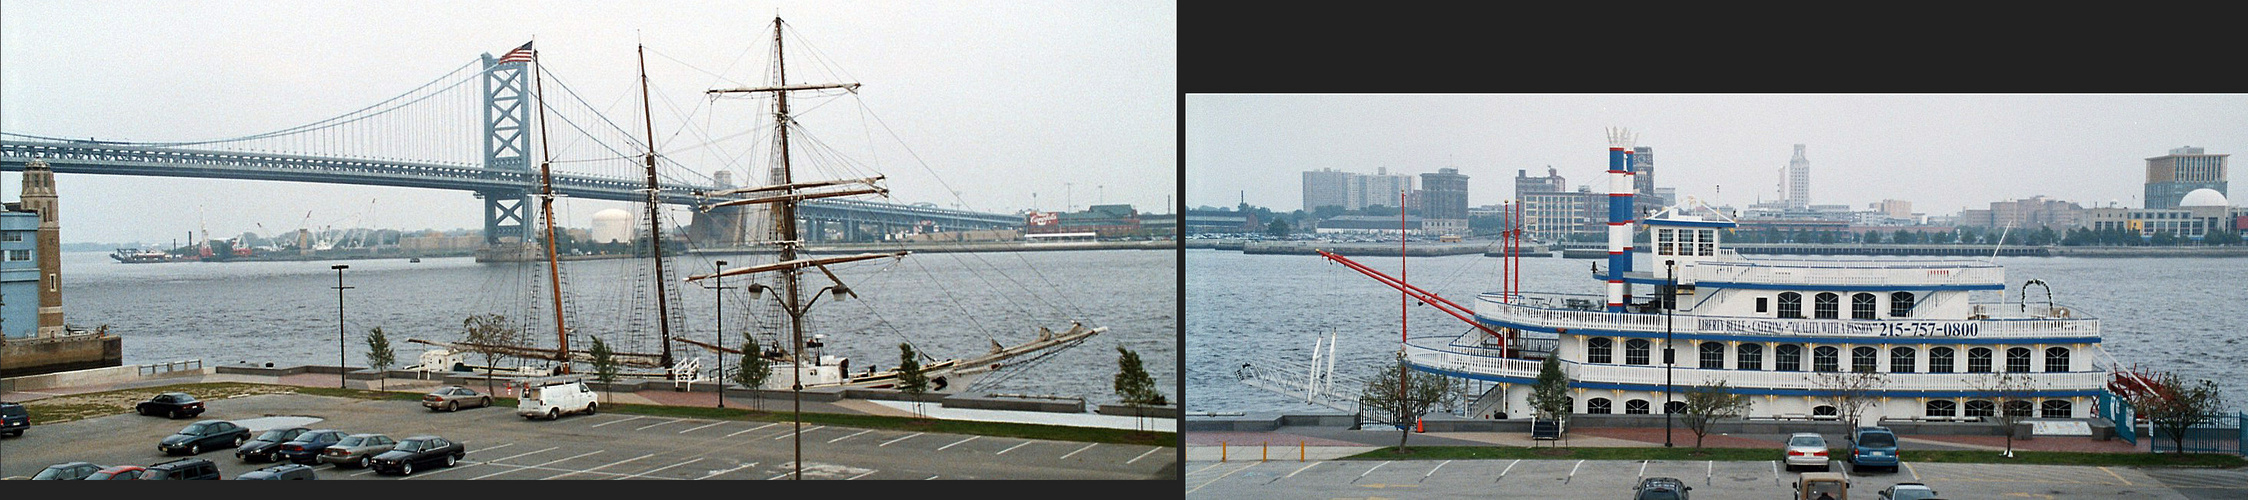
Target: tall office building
[(2185, 169), (1524, 184), (1643, 171), (1798, 181), (1380, 189), (1326, 187), (1446, 194)]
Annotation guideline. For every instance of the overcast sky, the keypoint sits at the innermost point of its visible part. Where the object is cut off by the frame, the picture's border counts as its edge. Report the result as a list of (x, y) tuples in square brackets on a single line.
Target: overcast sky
[(1001, 99), (1941, 152)]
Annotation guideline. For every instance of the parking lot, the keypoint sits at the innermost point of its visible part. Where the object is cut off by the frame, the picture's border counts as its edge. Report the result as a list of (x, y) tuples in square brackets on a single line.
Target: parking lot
[(1710, 479), (609, 446)]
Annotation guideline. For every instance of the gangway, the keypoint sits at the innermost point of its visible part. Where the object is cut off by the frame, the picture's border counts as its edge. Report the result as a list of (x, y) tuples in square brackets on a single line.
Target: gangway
[(1313, 382)]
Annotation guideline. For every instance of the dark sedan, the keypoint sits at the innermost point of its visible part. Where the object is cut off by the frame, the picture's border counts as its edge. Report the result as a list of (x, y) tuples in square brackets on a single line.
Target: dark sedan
[(171, 404), (306, 448), (267, 446), (204, 435), (419, 451)]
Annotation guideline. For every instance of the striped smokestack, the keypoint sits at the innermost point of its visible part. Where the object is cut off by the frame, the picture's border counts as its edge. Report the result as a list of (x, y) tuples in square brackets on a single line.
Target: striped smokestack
[(1619, 217)]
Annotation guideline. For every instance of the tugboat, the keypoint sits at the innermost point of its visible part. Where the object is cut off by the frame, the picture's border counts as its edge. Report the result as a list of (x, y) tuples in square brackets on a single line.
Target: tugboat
[(139, 256)]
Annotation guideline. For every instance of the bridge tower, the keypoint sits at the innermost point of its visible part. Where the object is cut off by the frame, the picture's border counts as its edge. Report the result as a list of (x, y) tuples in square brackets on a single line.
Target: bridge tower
[(507, 146)]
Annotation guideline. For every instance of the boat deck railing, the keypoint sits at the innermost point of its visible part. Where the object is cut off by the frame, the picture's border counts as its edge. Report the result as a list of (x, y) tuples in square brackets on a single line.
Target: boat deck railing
[(1473, 360), (1990, 320)]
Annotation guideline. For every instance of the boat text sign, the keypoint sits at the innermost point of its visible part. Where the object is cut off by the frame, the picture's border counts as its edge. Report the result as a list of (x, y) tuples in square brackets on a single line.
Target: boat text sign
[(1864, 328)]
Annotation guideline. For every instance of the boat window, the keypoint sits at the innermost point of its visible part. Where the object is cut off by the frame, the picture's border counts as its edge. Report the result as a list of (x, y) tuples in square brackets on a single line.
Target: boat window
[(1760, 303), (1980, 408), (1978, 360), (1826, 358), (1635, 352), (2057, 408), (1749, 357), (1939, 360), (1791, 305), (1598, 406), (1942, 408), (1864, 359), (1789, 358), (1823, 410), (1708, 245), (2056, 359), (1674, 407), (1600, 350), (2017, 360), (1900, 304), (2019, 408), (1665, 244), (1713, 356), (1861, 306), (1828, 306), (1635, 407), (1900, 359)]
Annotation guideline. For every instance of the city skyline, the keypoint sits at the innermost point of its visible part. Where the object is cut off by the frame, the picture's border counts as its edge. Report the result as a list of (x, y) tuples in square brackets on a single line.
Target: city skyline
[(1074, 102), (1722, 149)]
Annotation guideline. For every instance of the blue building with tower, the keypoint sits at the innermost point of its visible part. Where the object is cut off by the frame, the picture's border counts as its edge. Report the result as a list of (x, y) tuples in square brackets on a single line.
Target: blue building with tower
[(19, 274)]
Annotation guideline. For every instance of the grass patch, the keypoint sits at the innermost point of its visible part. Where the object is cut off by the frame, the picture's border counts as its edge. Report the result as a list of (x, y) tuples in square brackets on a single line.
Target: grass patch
[(2077, 458), (60, 409)]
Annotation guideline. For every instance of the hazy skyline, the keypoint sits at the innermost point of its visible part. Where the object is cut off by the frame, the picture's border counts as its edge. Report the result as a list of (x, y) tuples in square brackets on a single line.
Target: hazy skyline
[(1941, 152), (999, 100)]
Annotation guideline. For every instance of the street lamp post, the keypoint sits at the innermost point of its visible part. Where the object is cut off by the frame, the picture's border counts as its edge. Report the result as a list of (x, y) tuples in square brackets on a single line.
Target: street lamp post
[(796, 317), (339, 322), (1670, 356), (720, 335)]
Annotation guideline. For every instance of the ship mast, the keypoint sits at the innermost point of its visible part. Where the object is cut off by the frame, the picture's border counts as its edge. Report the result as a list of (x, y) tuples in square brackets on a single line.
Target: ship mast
[(655, 223), (546, 208)]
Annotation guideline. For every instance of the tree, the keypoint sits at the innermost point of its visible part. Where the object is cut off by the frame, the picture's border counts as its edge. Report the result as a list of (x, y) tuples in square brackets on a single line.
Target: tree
[(1850, 392), (2221, 238), (1550, 395), (1400, 396), (379, 355), (604, 363), (491, 336), (754, 367), (910, 379), (1277, 228), (2015, 398), (1709, 403), (2172, 406), (1132, 381)]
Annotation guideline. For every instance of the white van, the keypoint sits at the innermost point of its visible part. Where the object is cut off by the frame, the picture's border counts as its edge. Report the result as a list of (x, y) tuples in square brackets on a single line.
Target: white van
[(552, 398)]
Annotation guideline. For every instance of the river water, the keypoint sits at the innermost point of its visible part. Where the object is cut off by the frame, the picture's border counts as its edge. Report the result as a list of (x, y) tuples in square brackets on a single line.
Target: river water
[(2187, 315), (949, 305)]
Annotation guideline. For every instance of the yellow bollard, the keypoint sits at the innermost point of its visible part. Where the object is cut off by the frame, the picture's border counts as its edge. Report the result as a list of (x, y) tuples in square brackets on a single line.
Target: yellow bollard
[(1299, 451), (1265, 453), (1221, 451)]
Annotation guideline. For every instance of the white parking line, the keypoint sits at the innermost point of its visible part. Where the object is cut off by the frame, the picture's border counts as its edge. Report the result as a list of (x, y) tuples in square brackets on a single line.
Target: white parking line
[(1916, 474), (1205, 469), (603, 466), (1087, 447), (832, 441), (1509, 468), (1709, 474), (745, 431), (1642, 469), (1293, 474), (1573, 472), (1432, 472), (558, 460), (652, 471), (1221, 476), (660, 423), (909, 436), (1369, 470), (957, 443), (702, 426), (785, 435), (1011, 448), (740, 467), (1150, 451), (868, 473), (628, 419), (502, 445)]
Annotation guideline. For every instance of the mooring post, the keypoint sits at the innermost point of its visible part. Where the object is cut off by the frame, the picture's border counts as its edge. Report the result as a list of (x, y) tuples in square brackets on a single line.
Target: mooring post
[(1221, 451)]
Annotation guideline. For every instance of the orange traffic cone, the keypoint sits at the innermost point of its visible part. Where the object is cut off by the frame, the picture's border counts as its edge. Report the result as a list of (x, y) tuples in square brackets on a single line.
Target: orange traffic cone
[(1418, 426)]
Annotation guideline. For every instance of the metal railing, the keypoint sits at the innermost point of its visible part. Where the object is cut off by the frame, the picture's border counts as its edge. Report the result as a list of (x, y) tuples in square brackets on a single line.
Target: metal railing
[(1489, 306), (150, 370), (1482, 361)]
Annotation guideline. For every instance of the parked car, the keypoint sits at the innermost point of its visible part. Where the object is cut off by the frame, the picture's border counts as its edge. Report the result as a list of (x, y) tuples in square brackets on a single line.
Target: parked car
[(1908, 491), (357, 450), (204, 435), (1661, 488), (117, 473), (68, 471), (1807, 449), (281, 472), (454, 397), (1873, 447), (185, 468), (1822, 486), (419, 451), (306, 448), (13, 419), (267, 446), (171, 404), (552, 398)]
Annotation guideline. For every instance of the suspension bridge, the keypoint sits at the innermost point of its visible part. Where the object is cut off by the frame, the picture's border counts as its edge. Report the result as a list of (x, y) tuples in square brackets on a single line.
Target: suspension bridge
[(470, 130)]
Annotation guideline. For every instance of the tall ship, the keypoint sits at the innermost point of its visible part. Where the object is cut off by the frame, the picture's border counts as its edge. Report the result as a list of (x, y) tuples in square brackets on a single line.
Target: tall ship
[(1908, 337)]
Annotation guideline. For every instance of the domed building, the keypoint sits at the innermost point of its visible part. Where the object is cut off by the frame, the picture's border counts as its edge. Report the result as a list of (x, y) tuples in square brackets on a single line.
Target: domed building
[(612, 225), (2198, 213), (2203, 197)]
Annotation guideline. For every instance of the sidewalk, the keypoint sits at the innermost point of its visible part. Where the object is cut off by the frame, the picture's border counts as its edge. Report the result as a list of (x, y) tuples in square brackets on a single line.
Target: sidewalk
[(1325, 443)]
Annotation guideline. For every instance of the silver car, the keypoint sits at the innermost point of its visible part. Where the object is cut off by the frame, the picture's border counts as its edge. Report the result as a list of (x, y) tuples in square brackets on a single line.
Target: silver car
[(1807, 449), (357, 450)]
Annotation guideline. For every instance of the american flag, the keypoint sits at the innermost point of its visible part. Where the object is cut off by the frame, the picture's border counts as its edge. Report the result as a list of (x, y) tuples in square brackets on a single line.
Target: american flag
[(520, 54)]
